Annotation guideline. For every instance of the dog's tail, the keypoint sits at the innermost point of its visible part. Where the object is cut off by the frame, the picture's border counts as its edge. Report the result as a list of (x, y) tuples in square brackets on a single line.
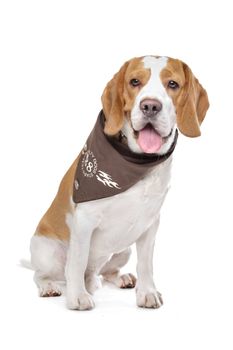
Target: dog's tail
[(26, 263)]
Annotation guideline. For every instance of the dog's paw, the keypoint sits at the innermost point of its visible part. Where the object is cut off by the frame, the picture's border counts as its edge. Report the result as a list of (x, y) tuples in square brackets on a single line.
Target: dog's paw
[(122, 281), (152, 300), (82, 302), (127, 280), (49, 289)]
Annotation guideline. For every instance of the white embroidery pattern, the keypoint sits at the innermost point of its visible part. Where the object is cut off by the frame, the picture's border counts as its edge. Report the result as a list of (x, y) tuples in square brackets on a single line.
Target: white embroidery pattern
[(89, 163), (106, 179)]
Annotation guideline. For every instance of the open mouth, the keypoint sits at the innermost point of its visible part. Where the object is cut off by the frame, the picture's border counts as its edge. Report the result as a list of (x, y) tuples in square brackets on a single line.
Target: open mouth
[(149, 140)]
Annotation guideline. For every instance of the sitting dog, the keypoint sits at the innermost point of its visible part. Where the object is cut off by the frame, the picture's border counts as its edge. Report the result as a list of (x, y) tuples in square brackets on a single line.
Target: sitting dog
[(112, 194)]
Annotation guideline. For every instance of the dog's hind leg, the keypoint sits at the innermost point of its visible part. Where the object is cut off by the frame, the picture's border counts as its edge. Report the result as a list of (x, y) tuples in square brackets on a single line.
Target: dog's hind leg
[(48, 258), (111, 270)]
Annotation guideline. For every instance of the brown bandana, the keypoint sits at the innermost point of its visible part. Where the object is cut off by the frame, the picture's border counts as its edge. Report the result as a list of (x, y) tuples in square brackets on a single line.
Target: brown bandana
[(108, 167)]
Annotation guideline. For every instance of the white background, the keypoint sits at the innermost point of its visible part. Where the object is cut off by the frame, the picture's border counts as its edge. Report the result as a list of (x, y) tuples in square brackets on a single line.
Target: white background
[(56, 57)]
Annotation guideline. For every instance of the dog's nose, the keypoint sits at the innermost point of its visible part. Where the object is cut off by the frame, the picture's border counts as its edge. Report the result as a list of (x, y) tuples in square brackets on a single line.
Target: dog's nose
[(150, 107)]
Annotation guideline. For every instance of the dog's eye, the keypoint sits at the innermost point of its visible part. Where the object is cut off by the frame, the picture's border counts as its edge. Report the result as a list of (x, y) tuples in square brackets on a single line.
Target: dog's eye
[(173, 84), (135, 82)]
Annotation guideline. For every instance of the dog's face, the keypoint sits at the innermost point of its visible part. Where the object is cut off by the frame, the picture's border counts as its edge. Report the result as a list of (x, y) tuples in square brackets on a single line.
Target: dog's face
[(148, 97)]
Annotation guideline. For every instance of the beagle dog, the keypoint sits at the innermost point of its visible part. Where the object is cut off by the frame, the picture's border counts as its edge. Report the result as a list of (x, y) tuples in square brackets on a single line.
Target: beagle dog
[(77, 242)]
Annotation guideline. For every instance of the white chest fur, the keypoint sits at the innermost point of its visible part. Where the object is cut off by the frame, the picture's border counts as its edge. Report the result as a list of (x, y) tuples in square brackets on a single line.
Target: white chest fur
[(117, 222)]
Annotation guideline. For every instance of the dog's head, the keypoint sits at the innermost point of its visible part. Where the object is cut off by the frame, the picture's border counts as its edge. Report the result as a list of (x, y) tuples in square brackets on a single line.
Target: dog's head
[(148, 97)]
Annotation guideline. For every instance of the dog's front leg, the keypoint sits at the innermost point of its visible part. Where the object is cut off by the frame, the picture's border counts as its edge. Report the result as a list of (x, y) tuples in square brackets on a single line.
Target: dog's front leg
[(146, 293), (81, 231)]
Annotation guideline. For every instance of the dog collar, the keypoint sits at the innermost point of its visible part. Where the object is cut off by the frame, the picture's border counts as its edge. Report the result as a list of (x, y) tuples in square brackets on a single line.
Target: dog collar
[(107, 167)]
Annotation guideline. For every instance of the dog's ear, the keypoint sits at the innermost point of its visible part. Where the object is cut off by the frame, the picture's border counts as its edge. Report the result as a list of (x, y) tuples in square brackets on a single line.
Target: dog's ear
[(113, 102), (192, 105)]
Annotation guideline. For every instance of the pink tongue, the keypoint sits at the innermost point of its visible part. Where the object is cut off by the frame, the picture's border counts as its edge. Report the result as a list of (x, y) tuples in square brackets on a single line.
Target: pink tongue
[(149, 140)]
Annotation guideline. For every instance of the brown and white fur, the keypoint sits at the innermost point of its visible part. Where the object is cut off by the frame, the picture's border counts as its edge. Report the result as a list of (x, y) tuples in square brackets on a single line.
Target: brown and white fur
[(77, 243)]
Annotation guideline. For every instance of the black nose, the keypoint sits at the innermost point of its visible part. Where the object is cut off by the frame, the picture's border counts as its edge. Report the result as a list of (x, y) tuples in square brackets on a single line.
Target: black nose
[(150, 107)]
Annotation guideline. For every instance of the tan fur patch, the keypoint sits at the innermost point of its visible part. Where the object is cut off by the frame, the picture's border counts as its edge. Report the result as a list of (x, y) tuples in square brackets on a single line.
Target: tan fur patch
[(135, 70), (119, 96), (53, 223), (190, 99)]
